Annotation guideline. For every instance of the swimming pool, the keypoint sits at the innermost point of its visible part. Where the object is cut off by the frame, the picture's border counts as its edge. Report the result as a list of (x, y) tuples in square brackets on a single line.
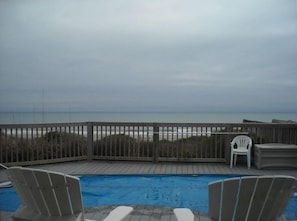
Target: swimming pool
[(164, 190)]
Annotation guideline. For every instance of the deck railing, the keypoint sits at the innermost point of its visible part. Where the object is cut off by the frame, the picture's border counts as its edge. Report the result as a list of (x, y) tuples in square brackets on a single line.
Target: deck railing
[(26, 144)]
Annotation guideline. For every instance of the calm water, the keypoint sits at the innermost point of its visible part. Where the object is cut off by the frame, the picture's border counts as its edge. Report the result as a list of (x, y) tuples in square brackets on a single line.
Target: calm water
[(163, 190), (219, 117)]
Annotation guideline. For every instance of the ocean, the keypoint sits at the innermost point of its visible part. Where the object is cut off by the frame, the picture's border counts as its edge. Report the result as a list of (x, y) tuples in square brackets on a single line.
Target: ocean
[(171, 117)]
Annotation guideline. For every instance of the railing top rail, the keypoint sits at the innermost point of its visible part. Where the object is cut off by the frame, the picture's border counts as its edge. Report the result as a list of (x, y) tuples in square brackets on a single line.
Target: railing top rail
[(196, 124), (122, 123), (41, 125)]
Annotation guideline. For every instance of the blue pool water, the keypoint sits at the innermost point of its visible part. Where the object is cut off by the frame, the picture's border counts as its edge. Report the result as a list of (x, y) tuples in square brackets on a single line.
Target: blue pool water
[(164, 190)]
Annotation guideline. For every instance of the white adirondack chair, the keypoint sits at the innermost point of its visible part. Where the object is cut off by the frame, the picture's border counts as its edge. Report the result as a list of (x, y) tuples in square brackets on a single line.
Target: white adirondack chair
[(241, 145), (254, 198), (52, 196)]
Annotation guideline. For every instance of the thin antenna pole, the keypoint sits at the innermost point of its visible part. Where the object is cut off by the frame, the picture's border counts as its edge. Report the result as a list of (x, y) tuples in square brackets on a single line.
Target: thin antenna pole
[(42, 105)]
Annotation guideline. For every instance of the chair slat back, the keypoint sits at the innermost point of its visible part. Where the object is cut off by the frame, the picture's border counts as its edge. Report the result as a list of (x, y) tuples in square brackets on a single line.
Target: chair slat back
[(214, 199), (47, 193), (242, 142), (250, 198), (32, 187), (278, 196), (261, 193), (16, 176), (75, 194), (229, 198), (61, 193), (245, 190)]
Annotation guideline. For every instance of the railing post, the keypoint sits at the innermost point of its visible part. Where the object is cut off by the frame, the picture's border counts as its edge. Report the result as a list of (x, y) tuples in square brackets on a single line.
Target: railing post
[(227, 143), (155, 143), (90, 140)]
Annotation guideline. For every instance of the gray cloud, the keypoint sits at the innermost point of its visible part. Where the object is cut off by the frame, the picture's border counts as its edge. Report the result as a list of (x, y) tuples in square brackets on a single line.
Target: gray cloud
[(148, 55)]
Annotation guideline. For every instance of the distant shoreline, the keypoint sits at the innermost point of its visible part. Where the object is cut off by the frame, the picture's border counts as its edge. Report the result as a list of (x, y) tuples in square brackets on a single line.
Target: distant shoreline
[(174, 117)]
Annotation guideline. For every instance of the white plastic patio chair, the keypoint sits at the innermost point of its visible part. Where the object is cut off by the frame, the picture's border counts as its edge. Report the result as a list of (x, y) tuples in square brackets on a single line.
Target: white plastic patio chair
[(52, 196), (253, 198), (241, 145)]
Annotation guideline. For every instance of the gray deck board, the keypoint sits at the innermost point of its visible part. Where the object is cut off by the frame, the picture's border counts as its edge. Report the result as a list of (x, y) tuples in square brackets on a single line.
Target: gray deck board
[(106, 167), (142, 212)]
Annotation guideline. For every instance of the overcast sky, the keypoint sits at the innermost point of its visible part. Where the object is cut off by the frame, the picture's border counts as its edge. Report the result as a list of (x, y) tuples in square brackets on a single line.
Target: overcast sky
[(148, 55)]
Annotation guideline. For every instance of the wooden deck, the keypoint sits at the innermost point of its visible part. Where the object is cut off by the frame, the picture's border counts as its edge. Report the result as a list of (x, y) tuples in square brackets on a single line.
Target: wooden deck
[(142, 212)]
